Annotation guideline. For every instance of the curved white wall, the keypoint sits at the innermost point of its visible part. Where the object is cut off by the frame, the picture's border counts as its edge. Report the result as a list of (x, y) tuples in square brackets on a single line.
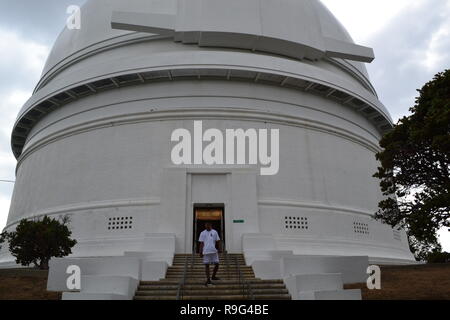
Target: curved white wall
[(108, 156)]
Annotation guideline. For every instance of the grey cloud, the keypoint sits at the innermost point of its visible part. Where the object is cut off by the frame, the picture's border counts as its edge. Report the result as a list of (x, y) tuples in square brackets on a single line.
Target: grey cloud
[(38, 20), (400, 47)]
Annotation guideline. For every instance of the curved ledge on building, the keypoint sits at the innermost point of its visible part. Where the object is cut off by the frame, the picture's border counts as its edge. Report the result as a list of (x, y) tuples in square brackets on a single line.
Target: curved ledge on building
[(310, 79), (312, 205), (92, 50), (105, 204)]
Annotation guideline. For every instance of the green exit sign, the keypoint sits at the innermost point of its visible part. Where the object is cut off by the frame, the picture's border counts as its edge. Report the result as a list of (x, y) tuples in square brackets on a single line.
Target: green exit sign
[(238, 221)]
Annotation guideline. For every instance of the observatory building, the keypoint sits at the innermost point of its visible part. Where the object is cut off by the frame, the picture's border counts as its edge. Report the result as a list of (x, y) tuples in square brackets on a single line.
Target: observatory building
[(95, 141)]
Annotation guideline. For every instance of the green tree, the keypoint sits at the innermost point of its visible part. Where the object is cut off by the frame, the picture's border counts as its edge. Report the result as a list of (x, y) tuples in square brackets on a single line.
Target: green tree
[(37, 241), (415, 167), (436, 256)]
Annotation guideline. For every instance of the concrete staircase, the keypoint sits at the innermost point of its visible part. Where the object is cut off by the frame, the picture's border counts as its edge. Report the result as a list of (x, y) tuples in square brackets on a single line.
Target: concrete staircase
[(238, 282)]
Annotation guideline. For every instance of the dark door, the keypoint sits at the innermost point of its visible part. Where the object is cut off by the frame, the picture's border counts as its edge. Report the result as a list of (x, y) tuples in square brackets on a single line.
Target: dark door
[(213, 215)]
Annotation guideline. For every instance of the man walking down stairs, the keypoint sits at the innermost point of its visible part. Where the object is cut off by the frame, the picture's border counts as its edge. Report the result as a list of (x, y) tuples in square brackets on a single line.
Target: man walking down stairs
[(210, 248), (237, 282)]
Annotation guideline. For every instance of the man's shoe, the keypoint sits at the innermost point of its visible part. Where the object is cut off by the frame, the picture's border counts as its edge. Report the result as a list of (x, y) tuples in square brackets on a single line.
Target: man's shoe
[(215, 278), (208, 282)]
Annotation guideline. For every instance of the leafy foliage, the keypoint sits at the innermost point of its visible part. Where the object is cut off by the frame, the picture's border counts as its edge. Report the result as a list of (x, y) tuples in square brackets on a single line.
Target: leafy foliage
[(37, 241), (415, 167), (422, 249), (438, 257)]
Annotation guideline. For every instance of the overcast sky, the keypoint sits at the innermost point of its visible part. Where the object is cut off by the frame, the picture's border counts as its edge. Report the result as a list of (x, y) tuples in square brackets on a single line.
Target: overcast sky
[(411, 39)]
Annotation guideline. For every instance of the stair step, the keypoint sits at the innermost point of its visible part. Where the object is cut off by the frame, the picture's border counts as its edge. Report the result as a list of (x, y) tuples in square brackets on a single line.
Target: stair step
[(222, 297), (220, 257), (209, 291), (239, 255), (202, 282), (202, 269), (200, 263), (200, 260), (272, 297), (202, 287), (222, 270), (154, 298), (202, 273), (197, 258), (203, 277)]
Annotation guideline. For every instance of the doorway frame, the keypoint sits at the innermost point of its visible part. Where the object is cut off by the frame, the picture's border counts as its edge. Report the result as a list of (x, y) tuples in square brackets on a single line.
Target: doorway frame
[(224, 198), (219, 206)]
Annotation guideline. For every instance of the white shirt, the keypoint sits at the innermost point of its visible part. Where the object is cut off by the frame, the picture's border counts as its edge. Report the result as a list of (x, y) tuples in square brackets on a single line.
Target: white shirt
[(209, 239)]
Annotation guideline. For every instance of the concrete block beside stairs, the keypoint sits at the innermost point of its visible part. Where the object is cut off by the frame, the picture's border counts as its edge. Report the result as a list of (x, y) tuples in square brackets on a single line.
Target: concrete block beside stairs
[(153, 270), (313, 282), (152, 256), (331, 295), (92, 296), (267, 269), (119, 285), (353, 269), (104, 266)]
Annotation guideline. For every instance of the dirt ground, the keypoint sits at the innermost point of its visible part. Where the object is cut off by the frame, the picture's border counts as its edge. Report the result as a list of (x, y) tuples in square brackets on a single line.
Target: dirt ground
[(25, 284), (422, 282)]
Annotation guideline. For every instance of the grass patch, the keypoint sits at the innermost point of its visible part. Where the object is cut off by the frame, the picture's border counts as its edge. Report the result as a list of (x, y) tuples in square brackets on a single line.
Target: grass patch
[(25, 284), (418, 282)]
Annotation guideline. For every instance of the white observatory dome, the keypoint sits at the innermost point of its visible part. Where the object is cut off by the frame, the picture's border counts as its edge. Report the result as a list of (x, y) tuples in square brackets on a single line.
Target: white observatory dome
[(94, 140)]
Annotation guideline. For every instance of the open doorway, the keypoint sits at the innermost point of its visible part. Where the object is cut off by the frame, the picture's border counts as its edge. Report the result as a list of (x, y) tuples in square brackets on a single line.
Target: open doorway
[(213, 214)]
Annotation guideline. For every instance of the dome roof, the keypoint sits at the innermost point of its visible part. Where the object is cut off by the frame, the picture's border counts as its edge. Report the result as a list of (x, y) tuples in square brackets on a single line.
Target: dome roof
[(228, 39), (96, 24), (96, 27)]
